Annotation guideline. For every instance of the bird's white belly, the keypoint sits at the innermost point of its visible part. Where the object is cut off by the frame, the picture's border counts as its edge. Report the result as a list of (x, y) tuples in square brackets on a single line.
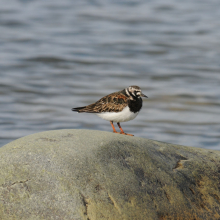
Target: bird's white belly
[(124, 115)]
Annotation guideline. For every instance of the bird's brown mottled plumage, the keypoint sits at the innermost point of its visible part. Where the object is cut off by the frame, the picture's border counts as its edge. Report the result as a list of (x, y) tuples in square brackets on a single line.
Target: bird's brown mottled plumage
[(114, 102)]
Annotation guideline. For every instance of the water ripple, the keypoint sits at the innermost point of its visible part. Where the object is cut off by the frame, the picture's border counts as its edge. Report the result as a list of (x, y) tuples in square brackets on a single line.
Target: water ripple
[(58, 55)]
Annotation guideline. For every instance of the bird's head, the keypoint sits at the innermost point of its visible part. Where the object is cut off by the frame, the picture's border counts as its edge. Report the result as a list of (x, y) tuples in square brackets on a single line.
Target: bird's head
[(134, 92)]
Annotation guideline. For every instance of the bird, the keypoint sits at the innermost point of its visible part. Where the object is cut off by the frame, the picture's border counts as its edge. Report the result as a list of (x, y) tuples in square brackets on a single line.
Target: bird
[(117, 107)]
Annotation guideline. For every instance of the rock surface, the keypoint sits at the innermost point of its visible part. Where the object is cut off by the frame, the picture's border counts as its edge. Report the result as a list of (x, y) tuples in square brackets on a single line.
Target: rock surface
[(92, 175)]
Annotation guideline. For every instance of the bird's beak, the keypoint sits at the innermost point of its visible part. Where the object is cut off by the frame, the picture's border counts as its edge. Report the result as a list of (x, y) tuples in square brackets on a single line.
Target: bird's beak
[(142, 95)]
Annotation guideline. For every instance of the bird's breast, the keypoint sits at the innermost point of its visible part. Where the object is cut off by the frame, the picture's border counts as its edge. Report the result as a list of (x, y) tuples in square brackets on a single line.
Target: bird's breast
[(135, 105), (124, 115)]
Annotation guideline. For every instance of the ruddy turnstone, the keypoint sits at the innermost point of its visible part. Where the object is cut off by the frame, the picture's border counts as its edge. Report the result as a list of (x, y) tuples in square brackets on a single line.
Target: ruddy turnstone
[(117, 107)]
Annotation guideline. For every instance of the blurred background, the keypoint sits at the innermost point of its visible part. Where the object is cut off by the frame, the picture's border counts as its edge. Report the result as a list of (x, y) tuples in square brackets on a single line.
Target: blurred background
[(55, 55)]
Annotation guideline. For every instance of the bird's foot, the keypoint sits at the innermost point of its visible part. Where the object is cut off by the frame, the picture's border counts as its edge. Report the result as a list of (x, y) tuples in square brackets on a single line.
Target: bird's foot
[(123, 133), (126, 134), (116, 132)]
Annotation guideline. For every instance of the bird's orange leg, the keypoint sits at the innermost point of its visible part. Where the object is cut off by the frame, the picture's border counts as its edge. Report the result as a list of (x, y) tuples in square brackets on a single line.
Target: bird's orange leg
[(113, 127), (122, 132)]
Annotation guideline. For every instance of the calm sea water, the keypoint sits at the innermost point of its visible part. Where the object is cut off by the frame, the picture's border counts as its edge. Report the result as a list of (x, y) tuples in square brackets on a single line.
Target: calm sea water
[(55, 55)]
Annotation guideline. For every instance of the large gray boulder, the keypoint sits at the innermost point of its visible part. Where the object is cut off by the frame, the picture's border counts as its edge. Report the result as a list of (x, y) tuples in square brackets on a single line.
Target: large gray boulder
[(89, 175)]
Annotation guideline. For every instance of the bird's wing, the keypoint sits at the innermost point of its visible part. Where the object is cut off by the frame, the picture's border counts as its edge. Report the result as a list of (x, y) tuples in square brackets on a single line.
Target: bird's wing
[(114, 102)]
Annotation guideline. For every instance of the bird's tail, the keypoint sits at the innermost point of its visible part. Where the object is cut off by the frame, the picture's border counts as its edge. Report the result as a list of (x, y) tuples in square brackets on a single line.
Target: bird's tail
[(78, 109)]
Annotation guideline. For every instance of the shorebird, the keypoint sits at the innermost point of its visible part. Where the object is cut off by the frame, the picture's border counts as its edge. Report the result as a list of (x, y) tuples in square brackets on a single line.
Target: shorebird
[(117, 107)]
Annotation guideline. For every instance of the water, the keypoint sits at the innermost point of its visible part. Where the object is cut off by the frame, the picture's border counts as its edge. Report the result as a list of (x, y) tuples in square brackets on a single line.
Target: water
[(55, 55)]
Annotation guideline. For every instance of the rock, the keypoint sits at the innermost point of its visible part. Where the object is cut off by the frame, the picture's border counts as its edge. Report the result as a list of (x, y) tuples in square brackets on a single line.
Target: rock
[(92, 175)]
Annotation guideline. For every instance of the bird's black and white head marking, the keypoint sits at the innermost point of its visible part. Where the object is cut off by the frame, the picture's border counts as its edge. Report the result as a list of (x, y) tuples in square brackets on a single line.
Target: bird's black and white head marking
[(133, 92)]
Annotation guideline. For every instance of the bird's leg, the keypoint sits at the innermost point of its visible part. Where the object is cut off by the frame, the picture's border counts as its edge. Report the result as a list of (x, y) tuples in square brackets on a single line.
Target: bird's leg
[(113, 127), (122, 132)]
